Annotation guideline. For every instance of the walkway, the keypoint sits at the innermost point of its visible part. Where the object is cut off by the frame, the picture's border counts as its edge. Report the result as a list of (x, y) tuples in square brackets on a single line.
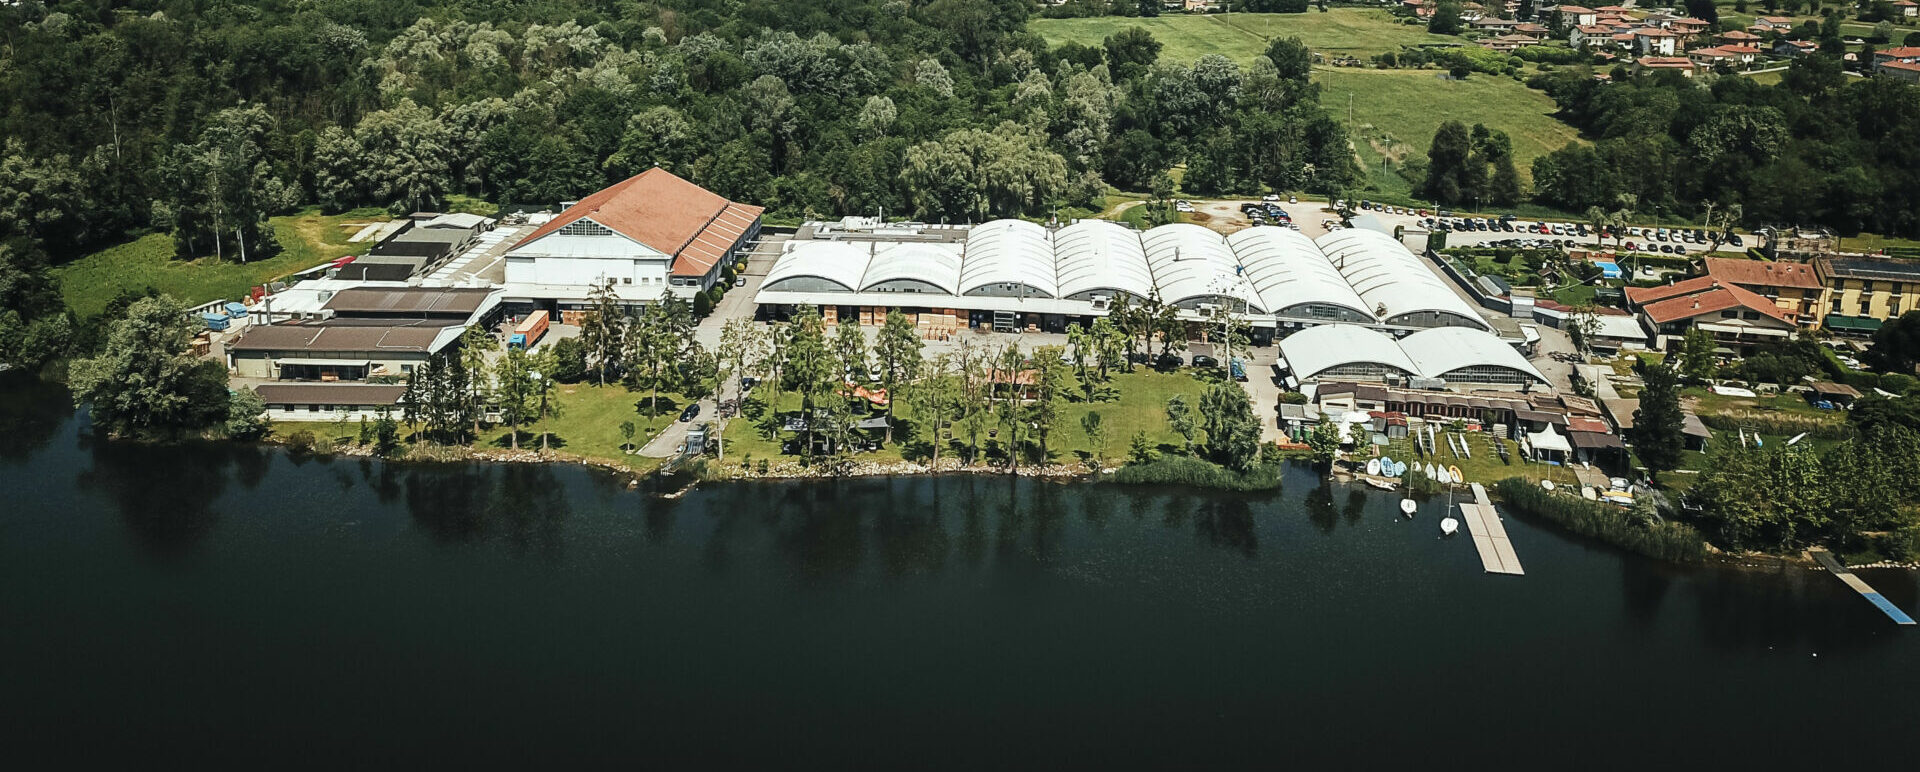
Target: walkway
[(1860, 586), (1489, 535)]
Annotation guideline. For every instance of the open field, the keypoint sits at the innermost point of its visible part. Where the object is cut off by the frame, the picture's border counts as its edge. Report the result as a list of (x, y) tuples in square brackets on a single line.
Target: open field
[(309, 238), (1399, 111), (1141, 407), (1243, 36)]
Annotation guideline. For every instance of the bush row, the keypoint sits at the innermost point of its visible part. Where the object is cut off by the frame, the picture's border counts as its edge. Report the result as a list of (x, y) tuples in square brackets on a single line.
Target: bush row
[(1674, 542), (1784, 424)]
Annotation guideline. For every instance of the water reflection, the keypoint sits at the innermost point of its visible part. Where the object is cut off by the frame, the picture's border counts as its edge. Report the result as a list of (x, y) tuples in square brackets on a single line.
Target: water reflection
[(521, 504), (30, 414), (167, 506)]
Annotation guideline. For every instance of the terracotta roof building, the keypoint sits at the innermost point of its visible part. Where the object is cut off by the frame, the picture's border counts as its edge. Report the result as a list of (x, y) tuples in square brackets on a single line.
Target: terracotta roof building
[(1794, 287), (650, 234), (1737, 318)]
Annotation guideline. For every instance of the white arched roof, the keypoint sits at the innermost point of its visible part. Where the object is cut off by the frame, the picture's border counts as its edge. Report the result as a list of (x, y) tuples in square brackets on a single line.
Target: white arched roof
[(1386, 274), (1189, 261), (1442, 350), (1317, 349), (938, 265), (1101, 254), (835, 261), (1009, 252), (1287, 269)]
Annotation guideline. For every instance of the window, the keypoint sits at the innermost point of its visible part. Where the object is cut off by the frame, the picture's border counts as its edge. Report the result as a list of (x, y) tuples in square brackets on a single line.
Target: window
[(626, 280), (1836, 305), (406, 368), (1750, 315), (1729, 314), (584, 227), (1866, 288)]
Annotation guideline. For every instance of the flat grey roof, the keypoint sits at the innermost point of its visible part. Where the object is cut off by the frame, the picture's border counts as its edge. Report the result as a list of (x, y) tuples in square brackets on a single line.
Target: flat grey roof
[(330, 336), (409, 300)]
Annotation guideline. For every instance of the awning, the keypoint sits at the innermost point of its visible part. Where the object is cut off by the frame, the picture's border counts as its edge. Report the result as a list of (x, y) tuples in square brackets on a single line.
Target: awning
[(1851, 323), (1739, 330), (324, 362), (1594, 440), (1548, 440)]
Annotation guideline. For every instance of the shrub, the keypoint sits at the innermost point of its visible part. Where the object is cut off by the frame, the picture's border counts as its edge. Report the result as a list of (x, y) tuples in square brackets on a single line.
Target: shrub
[(1783, 424), (1198, 473), (1675, 542), (302, 442)]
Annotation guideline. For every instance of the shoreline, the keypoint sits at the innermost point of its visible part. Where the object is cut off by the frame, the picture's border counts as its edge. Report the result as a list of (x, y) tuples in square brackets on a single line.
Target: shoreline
[(1060, 473)]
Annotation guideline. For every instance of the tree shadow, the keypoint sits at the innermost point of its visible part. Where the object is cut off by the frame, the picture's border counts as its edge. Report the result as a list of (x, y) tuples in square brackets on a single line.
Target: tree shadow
[(531, 440)]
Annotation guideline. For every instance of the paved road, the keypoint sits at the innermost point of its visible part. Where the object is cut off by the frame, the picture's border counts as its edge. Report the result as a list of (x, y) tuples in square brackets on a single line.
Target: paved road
[(737, 303)]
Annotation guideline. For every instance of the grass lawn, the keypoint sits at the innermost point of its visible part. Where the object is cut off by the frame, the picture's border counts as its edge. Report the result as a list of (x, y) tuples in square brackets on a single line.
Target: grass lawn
[(1485, 467), (1792, 404), (1868, 242), (1243, 36), (588, 426), (309, 238), (1141, 407), (1396, 112)]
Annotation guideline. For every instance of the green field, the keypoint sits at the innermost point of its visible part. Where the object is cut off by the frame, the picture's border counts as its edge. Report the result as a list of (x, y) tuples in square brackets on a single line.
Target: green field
[(309, 237), (1243, 36), (1398, 111)]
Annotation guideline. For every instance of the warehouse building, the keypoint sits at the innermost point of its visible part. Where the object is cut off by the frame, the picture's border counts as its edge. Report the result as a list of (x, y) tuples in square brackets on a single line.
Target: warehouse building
[(1017, 275), (1428, 358), (649, 235)]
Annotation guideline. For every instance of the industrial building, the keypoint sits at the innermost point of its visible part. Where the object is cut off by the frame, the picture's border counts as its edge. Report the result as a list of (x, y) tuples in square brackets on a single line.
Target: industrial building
[(1013, 274), (339, 331), (1430, 357), (649, 235)]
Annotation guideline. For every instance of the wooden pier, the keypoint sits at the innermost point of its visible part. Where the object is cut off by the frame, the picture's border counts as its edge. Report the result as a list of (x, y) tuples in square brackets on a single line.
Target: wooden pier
[(1860, 586), (1489, 535)]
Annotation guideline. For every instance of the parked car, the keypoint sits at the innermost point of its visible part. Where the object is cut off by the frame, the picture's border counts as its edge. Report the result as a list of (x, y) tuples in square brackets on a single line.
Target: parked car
[(1270, 197), (1202, 360), (1293, 200), (689, 413), (739, 281)]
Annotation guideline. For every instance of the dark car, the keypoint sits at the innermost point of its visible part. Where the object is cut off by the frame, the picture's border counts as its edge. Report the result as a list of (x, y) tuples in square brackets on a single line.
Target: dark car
[(1202, 360), (689, 413), (747, 383), (1506, 225)]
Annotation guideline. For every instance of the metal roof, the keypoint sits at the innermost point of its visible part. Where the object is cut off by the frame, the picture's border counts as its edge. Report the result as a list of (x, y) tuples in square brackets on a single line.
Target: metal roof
[(1100, 254), (1391, 279), (835, 261), (1314, 350), (1009, 252), (1190, 262), (1288, 269), (935, 264), (1441, 350)]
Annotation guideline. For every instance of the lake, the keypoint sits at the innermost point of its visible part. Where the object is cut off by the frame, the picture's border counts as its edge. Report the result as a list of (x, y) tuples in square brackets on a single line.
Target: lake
[(229, 602)]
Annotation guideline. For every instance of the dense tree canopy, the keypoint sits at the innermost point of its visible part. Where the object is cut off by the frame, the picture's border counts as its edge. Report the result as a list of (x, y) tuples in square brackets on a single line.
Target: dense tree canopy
[(1818, 149), (203, 117)]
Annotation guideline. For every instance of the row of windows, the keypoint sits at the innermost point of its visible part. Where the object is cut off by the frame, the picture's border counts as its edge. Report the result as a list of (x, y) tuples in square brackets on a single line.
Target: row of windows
[(325, 408), (584, 228)]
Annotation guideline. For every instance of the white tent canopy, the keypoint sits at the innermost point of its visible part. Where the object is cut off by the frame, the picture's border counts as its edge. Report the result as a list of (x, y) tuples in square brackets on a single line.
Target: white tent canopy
[(1094, 255), (1287, 270)]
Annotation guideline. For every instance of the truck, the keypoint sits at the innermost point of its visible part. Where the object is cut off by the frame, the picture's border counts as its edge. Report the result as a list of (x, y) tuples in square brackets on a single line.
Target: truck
[(529, 331)]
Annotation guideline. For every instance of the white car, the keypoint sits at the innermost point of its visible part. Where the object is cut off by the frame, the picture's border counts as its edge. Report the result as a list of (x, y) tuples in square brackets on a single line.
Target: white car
[(1183, 206), (1271, 198), (1292, 200)]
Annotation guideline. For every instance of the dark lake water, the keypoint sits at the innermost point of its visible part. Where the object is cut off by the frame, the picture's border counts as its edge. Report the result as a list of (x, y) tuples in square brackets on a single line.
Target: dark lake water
[(221, 601)]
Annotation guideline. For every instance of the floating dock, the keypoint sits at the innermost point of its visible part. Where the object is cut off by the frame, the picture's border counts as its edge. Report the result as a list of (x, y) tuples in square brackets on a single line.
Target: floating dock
[(1489, 535), (1860, 586)]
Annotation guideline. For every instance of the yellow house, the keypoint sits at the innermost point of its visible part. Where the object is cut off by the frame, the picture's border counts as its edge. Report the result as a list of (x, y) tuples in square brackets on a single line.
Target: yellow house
[(1863, 292)]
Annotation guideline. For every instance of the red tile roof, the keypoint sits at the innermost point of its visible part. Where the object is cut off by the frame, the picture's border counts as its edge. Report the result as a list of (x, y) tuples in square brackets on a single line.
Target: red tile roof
[(1679, 62), (664, 212), (1903, 52), (1576, 10), (1763, 273), (1702, 295), (1738, 35), (1914, 66)]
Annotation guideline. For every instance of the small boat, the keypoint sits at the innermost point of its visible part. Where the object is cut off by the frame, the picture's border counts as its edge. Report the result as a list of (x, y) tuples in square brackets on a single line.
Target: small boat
[(1449, 526), (1444, 477), (1546, 484), (1387, 467), (1407, 507), (1373, 467), (1377, 483), (1431, 474), (1587, 492), (1454, 472)]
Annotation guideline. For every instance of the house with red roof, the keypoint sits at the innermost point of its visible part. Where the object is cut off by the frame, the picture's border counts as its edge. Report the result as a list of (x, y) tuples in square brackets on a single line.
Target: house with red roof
[(650, 234), (1576, 16), (1794, 287), (1738, 319), (1679, 64), (1766, 24), (1906, 8), (1653, 41), (1740, 37)]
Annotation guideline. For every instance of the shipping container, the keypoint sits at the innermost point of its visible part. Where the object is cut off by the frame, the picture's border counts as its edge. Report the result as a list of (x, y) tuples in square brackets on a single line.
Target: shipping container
[(529, 331)]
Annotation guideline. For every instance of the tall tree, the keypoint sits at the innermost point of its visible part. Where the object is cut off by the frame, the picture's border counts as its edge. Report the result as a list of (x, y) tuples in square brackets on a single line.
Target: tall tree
[(476, 344), (897, 348), (810, 368), (146, 381), (1181, 418), (603, 330), (1656, 434), (514, 391), (1050, 384)]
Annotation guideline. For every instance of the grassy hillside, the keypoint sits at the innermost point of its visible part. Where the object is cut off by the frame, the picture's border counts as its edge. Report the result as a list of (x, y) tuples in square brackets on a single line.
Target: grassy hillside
[(1243, 36), (1397, 111), (309, 237)]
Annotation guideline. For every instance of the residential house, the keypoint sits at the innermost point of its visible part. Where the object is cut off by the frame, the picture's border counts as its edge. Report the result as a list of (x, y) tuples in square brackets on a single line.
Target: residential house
[(1655, 42), (1766, 24), (1788, 49), (1902, 54), (1737, 57), (1738, 320), (1794, 287), (1906, 71), (1508, 42), (1862, 291), (1472, 12), (1740, 38), (1576, 16), (1689, 29), (1679, 64), (330, 401), (1590, 37), (1539, 31), (1907, 8), (1493, 24), (1419, 8), (648, 235)]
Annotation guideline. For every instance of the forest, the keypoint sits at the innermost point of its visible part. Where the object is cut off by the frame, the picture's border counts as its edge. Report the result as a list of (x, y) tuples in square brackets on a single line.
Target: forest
[(200, 118), (1820, 148)]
